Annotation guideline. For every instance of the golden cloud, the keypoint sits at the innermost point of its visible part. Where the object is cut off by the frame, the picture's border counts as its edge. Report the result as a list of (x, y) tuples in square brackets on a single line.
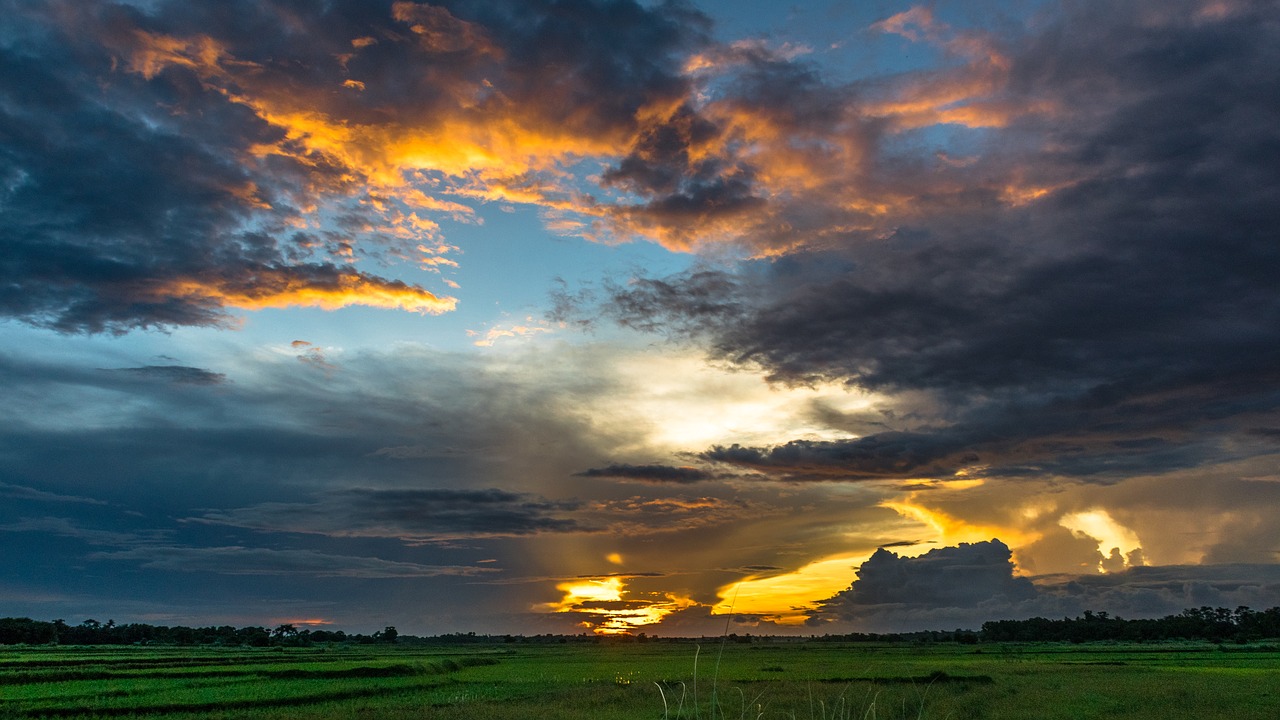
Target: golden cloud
[(278, 289), (772, 178)]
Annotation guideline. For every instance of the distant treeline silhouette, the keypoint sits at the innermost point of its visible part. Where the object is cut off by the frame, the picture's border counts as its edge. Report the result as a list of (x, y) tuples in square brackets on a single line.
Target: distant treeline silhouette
[(1204, 623), (14, 631)]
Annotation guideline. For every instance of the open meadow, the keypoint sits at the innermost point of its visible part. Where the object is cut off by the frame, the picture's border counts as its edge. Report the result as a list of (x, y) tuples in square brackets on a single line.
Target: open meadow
[(812, 680)]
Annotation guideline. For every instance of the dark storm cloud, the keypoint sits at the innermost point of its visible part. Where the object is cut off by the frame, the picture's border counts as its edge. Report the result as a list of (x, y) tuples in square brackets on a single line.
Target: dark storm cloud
[(962, 576), (149, 549), (1119, 314), (684, 302), (263, 561), (413, 515), (137, 465), (271, 427), (651, 473), (457, 461), (884, 455), (586, 65), (757, 155), (125, 203), (153, 175), (445, 515)]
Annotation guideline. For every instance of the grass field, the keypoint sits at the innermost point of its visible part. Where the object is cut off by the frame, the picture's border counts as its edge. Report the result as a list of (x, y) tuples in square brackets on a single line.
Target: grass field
[(652, 680)]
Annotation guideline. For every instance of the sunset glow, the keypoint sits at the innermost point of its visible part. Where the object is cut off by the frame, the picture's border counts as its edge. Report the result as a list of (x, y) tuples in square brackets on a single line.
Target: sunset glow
[(787, 599), (531, 317), (606, 607), (1099, 526), (947, 529)]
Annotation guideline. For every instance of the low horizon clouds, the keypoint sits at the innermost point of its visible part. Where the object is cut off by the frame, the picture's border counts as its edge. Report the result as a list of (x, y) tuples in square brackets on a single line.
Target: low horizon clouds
[(966, 585)]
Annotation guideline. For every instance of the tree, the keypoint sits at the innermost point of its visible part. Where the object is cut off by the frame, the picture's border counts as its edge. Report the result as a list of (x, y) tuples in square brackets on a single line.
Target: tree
[(387, 635)]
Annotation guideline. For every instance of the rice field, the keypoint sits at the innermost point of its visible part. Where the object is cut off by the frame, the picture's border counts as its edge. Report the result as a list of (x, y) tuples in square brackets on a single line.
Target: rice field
[(707, 681)]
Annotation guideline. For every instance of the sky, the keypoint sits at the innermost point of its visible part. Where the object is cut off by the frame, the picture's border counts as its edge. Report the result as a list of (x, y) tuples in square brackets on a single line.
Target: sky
[(573, 316)]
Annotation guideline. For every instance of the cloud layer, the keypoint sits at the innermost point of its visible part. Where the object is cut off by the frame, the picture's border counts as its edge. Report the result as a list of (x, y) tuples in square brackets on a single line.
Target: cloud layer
[(971, 583), (1023, 288), (1087, 294), (165, 163)]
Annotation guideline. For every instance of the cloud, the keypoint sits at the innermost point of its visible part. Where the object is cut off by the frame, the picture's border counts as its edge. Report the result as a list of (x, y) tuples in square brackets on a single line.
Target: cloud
[(700, 142), (447, 515), (440, 32), (263, 561), (1159, 591), (966, 585), (413, 515), (642, 516), (129, 203), (175, 374), (516, 330), (449, 421), (21, 492), (651, 473), (265, 158), (885, 455), (170, 162), (962, 576), (315, 357), (1090, 297), (679, 305), (69, 528)]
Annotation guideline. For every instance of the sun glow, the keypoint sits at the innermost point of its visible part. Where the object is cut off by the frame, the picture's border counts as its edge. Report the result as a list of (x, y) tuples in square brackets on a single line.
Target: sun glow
[(1114, 540), (949, 529), (786, 599), (607, 607), (687, 404)]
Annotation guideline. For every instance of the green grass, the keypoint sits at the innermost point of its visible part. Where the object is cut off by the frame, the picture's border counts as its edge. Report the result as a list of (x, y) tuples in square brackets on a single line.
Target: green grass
[(810, 681)]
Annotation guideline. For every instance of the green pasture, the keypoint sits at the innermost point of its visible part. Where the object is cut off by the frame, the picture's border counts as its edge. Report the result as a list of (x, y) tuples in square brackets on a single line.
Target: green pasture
[(650, 681)]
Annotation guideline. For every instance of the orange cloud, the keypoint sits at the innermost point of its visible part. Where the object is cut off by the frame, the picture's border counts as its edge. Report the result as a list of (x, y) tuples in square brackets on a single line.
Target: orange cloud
[(278, 289), (469, 138), (301, 621), (771, 176), (440, 32), (497, 332), (966, 95), (915, 24), (154, 52)]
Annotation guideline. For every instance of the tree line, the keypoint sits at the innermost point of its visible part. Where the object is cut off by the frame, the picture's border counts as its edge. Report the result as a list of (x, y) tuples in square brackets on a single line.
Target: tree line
[(1203, 623), (18, 631)]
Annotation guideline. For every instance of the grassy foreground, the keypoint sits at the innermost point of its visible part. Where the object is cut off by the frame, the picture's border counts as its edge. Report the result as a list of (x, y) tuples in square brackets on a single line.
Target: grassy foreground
[(650, 681)]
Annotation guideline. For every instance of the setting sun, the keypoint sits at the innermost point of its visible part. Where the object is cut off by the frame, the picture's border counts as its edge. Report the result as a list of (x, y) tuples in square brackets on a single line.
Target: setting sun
[(607, 607)]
